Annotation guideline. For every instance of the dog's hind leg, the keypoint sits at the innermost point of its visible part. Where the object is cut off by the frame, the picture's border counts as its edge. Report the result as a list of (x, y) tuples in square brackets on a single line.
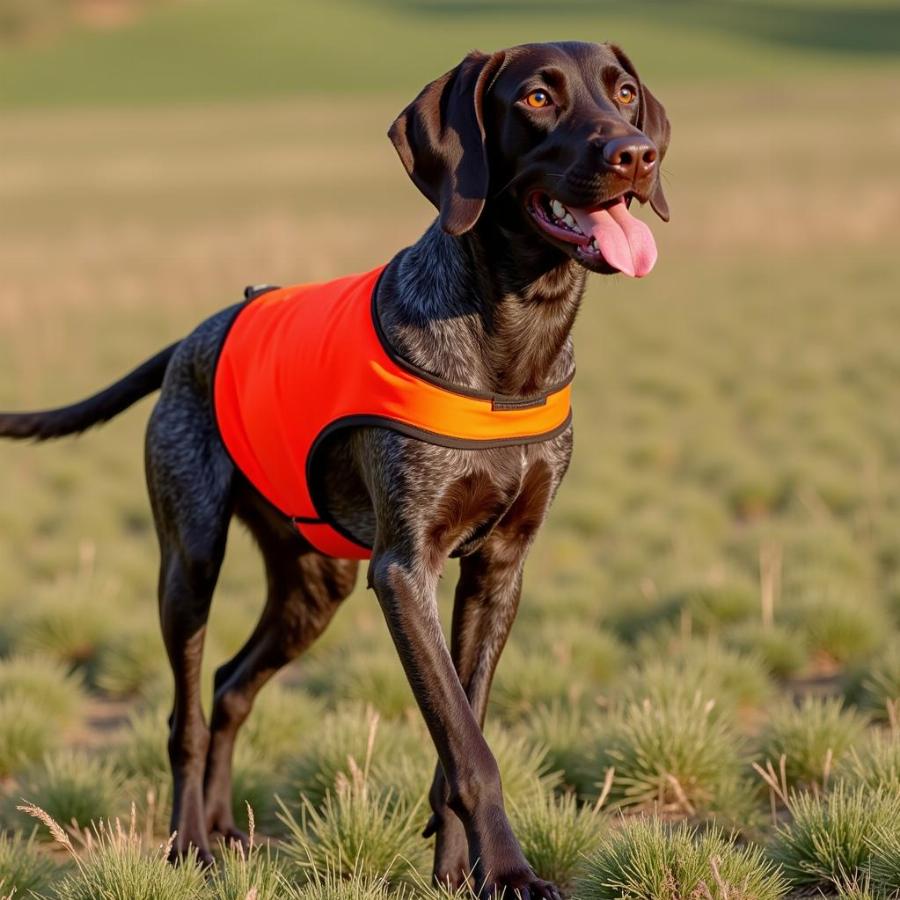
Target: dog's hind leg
[(304, 591), (190, 480)]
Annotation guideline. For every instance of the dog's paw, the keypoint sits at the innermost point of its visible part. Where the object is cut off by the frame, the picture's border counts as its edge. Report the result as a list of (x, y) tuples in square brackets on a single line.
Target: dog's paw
[(521, 885)]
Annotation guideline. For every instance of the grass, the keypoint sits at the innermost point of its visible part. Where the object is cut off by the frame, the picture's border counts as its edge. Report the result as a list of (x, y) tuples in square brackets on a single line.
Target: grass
[(830, 837), (873, 762), (557, 834), (26, 734), (114, 864), (252, 873), (358, 830), (813, 737), (277, 48), (875, 686), (44, 682), (73, 788), (648, 860), (728, 530), (23, 867), (884, 866), (674, 756)]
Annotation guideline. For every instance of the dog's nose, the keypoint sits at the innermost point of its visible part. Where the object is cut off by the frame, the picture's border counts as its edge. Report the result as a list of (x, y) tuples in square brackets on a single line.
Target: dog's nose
[(633, 157)]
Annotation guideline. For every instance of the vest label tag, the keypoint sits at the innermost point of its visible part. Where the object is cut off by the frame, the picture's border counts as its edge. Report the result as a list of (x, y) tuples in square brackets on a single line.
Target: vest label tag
[(505, 405)]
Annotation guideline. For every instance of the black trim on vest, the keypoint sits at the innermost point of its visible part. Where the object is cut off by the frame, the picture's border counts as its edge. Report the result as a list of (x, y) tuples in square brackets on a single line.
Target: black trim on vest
[(499, 402), (313, 483)]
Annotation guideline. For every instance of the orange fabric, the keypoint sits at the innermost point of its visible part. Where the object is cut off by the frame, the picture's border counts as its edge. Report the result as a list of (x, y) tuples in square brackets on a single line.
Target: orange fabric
[(299, 359)]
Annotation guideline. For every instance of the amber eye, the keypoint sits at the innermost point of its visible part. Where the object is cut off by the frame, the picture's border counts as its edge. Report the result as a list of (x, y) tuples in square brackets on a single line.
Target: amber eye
[(538, 99), (626, 94)]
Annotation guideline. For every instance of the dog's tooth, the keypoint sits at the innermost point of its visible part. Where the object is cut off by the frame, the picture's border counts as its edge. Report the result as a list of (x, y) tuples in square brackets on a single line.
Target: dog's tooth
[(557, 208)]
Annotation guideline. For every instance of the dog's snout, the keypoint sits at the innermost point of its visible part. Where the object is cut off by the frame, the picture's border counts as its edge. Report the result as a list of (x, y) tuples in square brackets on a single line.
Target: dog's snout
[(633, 157)]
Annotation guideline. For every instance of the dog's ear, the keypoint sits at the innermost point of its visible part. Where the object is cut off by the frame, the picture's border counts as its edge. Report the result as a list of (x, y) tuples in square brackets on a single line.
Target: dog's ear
[(652, 120), (440, 138)]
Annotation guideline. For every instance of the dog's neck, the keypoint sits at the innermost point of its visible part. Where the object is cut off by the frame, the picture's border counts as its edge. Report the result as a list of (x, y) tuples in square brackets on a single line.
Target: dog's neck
[(491, 310)]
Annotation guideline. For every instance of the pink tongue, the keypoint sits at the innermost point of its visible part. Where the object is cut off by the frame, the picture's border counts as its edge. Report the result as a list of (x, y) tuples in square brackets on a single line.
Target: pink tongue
[(626, 242)]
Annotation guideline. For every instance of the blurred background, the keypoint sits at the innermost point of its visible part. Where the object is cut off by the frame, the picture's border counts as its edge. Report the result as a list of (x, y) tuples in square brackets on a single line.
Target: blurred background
[(733, 508)]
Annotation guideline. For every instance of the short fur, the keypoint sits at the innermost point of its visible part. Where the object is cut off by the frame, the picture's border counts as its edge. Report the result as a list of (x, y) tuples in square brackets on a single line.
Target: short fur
[(485, 300)]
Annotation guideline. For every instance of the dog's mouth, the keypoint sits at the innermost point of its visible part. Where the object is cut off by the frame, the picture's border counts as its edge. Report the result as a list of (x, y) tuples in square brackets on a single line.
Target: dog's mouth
[(606, 233)]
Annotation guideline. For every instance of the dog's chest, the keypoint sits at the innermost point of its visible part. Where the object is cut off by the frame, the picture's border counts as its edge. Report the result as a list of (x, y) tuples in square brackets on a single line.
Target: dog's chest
[(508, 494)]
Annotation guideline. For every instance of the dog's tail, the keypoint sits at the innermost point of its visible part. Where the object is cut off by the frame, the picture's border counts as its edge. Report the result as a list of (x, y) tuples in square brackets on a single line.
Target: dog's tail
[(102, 407)]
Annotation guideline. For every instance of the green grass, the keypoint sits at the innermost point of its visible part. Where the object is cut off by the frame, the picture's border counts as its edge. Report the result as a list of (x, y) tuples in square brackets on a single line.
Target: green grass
[(358, 829), (830, 838), (116, 864), (233, 48), (24, 867), (26, 734), (647, 860), (873, 762), (813, 737), (74, 789), (674, 756), (557, 834), (46, 684), (884, 866)]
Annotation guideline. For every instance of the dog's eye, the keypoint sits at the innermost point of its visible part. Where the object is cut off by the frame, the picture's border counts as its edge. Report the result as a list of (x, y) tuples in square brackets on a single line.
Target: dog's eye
[(538, 99), (626, 94)]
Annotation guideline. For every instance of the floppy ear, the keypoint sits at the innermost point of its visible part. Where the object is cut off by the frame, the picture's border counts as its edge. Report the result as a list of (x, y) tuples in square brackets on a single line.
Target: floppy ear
[(652, 120), (440, 138)]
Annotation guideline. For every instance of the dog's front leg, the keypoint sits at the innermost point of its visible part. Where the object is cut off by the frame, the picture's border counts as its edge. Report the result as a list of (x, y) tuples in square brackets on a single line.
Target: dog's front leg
[(405, 583), (484, 608)]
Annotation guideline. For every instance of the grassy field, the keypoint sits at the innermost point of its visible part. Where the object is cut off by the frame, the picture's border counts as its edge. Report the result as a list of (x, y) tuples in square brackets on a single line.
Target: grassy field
[(700, 696)]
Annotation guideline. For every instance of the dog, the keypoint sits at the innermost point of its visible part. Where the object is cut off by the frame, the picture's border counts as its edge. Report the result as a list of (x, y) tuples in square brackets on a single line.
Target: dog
[(532, 157)]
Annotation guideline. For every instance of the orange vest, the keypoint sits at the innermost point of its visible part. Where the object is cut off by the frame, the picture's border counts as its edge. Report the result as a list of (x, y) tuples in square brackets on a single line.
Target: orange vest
[(300, 362)]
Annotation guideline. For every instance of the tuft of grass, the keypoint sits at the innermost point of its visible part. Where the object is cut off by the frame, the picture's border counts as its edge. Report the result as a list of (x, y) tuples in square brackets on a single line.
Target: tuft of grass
[(678, 666), (649, 860), (25, 870), (813, 737), (114, 862), (256, 781), (26, 734), (283, 721), (676, 756), (330, 884), (526, 679), (556, 834), (374, 678), (344, 735), (132, 663), (780, 649), (884, 865), (73, 620), (142, 751), (840, 627), (253, 873), (44, 682), (829, 839), (358, 830), (71, 787), (857, 889), (873, 762), (567, 740), (524, 770), (875, 684)]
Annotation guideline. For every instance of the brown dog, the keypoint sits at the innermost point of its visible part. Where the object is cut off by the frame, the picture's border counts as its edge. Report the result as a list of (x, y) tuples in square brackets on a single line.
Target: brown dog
[(532, 156)]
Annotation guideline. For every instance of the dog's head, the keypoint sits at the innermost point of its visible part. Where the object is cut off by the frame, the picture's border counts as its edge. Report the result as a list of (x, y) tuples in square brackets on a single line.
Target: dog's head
[(557, 137)]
